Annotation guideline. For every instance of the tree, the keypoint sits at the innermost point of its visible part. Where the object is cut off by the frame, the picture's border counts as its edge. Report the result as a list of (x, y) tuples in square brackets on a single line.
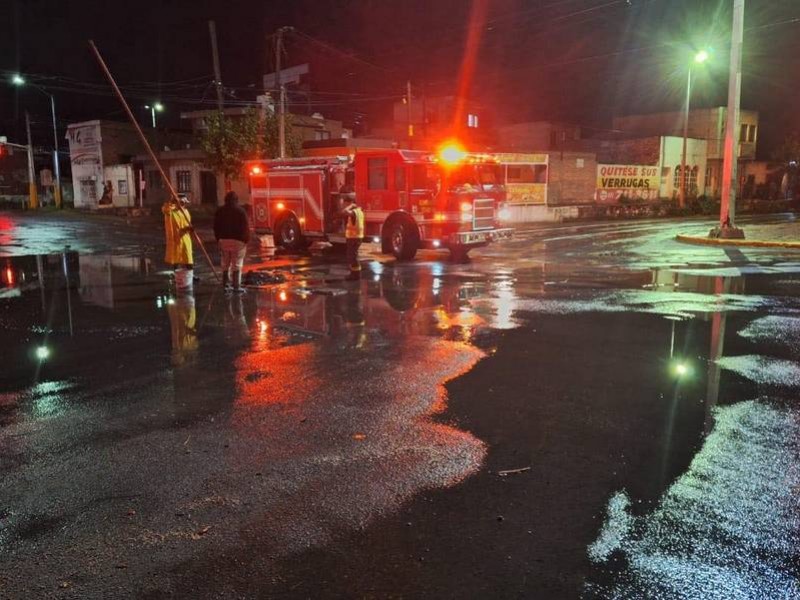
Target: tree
[(230, 141), (294, 145), (789, 150)]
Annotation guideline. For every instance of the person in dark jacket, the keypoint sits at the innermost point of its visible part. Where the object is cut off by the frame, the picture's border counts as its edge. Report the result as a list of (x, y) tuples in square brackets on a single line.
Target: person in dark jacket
[(232, 230)]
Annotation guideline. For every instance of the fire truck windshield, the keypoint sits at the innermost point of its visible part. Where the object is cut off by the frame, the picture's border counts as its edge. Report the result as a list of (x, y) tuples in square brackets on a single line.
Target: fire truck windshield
[(474, 177)]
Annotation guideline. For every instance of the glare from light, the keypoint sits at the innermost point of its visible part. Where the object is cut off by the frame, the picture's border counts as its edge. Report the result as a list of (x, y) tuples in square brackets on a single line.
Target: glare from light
[(376, 240), (681, 369), (42, 352), (17, 79), (170, 300), (158, 107), (466, 207), (504, 214), (439, 217), (255, 170), (282, 296), (436, 243), (702, 56), (452, 153), (280, 206)]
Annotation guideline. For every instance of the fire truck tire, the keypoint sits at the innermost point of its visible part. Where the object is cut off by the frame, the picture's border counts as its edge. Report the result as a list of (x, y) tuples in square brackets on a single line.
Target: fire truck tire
[(288, 234), (401, 239)]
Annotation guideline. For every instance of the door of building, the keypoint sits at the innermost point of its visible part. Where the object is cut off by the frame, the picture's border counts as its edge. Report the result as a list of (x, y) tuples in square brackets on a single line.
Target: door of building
[(208, 187)]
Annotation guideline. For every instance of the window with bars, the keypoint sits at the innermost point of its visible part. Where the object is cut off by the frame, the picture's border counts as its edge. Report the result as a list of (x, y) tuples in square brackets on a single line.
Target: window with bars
[(691, 180), (183, 179)]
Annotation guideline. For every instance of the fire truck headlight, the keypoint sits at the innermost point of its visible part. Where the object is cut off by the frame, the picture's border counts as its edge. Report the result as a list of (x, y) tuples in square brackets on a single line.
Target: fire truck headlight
[(436, 243), (466, 207), (439, 217), (504, 214), (376, 240)]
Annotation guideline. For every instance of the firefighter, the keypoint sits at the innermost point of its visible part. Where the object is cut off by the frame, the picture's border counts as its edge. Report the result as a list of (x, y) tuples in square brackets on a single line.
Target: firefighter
[(353, 233), (178, 229)]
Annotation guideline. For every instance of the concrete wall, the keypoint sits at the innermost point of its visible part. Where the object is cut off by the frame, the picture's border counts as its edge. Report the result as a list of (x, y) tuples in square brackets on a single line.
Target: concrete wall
[(123, 185)]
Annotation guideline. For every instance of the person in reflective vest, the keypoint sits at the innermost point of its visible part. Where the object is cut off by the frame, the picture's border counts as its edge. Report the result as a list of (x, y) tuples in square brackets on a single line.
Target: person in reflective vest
[(178, 230), (353, 233)]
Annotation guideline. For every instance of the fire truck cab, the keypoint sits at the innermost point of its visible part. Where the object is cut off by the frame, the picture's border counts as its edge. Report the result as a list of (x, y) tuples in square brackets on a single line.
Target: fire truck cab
[(411, 200)]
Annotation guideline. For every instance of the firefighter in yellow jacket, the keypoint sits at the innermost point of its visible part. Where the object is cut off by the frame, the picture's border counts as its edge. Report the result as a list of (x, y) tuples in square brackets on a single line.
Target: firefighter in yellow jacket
[(178, 229), (354, 234)]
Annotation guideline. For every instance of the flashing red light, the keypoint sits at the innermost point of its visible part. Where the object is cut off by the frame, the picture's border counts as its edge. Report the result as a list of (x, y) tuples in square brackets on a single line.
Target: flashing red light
[(282, 296), (255, 170), (9, 273), (280, 206), (451, 153)]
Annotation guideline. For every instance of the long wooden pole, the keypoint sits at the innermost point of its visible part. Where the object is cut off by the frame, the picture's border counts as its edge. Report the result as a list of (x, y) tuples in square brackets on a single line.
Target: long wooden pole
[(150, 151)]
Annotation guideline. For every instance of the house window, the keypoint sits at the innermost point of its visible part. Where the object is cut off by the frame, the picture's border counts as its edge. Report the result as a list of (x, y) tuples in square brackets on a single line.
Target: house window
[(526, 174), (184, 181), (122, 187), (691, 180), (743, 133), (322, 135), (377, 174), (709, 171), (472, 121), (751, 133)]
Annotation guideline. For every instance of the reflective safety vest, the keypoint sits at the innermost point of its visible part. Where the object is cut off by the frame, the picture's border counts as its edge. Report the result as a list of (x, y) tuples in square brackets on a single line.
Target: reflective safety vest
[(355, 224)]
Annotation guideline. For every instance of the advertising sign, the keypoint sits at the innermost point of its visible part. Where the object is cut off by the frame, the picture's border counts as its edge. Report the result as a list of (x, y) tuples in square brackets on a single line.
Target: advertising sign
[(636, 182), (86, 157)]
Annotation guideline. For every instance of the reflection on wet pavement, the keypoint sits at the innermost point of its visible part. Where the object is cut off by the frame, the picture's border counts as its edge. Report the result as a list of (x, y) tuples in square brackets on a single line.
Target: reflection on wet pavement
[(142, 430), (727, 528)]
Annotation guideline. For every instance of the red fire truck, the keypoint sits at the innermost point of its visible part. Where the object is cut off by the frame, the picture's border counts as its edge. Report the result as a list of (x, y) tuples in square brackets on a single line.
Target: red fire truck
[(411, 199)]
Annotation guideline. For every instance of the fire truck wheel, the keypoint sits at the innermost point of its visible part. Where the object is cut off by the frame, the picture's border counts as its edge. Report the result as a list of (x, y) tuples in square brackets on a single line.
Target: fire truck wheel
[(288, 235), (402, 240)]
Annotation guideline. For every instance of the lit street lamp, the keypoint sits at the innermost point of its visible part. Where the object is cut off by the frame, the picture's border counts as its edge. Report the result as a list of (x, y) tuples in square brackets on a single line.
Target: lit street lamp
[(699, 58), (19, 81), (154, 108)]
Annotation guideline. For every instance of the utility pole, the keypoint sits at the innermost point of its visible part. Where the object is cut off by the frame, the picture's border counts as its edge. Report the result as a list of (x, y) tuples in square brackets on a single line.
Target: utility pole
[(408, 116), (682, 191), (212, 31), (727, 215), (32, 191), (56, 160), (281, 92)]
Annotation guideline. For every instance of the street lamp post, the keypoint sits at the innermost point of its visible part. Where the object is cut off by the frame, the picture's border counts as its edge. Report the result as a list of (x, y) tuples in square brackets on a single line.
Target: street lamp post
[(19, 81), (699, 58), (154, 108)]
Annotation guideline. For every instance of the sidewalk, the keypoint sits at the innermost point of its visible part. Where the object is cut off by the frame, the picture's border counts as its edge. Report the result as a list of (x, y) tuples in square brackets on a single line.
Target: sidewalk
[(784, 234)]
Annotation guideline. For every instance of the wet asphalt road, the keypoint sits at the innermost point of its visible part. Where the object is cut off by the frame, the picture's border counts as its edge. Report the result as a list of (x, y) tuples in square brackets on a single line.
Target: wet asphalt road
[(588, 411)]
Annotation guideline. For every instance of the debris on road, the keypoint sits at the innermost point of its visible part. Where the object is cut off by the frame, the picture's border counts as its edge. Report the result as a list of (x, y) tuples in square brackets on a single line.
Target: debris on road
[(508, 472)]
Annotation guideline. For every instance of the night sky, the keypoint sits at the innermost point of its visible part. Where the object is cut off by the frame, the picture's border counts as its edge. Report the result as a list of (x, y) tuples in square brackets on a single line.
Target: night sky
[(577, 60)]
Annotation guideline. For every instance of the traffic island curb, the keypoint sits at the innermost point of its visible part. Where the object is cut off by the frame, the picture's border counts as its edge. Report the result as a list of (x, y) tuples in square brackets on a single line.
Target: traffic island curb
[(707, 241)]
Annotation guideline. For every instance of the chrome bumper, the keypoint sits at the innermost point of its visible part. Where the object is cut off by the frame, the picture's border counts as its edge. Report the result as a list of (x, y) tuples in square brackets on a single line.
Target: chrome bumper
[(471, 238)]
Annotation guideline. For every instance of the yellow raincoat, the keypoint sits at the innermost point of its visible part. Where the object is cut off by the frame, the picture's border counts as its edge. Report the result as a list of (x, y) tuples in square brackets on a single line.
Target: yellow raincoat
[(179, 239)]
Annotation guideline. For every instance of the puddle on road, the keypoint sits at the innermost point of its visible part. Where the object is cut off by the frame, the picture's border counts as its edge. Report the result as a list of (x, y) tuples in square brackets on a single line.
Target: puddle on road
[(270, 373)]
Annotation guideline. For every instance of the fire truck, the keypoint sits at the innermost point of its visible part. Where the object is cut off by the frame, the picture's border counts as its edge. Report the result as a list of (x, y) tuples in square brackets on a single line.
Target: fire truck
[(411, 199)]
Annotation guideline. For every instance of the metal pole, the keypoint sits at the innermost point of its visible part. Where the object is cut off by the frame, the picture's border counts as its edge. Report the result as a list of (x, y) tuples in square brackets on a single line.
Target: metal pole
[(149, 149), (33, 198), (69, 294), (408, 115), (281, 95), (682, 191), (727, 215), (56, 159), (153, 116), (212, 31)]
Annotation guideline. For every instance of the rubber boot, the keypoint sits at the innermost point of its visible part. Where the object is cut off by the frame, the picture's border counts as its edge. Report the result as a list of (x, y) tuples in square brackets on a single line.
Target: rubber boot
[(226, 284), (237, 283)]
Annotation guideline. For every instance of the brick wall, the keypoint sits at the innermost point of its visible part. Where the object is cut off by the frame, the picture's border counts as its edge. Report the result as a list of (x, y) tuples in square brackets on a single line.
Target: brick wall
[(572, 178)]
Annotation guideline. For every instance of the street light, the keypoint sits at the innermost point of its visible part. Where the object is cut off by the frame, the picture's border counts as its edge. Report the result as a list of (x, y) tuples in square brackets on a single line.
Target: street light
[(699, 58), (19, 81), (154, 108)]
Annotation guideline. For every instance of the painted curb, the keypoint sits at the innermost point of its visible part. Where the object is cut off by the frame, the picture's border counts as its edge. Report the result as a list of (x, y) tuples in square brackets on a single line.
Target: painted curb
[(706, 241)]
